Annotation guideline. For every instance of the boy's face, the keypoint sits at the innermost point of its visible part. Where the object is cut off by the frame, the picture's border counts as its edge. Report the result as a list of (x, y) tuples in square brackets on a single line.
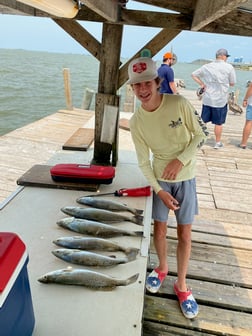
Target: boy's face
[(146, 91)]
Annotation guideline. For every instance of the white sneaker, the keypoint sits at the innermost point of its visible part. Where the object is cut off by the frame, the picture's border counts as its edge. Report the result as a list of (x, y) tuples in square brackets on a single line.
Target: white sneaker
[(218, 145)]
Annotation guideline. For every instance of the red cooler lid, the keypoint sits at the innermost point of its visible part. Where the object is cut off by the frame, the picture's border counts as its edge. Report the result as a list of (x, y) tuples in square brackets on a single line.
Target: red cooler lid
[(11, 250)]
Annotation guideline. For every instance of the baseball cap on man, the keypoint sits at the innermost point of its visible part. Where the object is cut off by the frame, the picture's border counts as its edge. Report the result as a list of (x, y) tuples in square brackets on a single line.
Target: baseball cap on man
[(142, 69), (168, 55), (222, 52)]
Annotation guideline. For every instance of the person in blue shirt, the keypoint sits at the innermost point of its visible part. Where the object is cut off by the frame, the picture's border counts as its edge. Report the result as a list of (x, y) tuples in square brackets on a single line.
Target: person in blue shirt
[(166, 73)]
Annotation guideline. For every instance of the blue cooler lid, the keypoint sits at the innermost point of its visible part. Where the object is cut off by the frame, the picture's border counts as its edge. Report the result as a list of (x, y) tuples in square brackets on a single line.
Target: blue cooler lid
[(12, 250)]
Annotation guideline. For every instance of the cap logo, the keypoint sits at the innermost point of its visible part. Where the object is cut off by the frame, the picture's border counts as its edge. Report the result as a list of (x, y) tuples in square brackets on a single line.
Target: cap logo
[(139, 67)]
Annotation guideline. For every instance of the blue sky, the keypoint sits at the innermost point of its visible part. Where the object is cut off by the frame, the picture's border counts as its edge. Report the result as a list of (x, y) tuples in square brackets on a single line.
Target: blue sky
[(41, 34)]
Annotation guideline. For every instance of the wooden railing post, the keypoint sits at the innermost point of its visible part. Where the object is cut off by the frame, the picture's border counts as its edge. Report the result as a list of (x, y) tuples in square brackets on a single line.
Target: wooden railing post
[(67, 85)]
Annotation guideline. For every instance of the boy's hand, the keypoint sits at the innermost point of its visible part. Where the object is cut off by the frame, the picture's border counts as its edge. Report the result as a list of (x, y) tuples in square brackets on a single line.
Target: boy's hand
[(172, 169), (168, 200)]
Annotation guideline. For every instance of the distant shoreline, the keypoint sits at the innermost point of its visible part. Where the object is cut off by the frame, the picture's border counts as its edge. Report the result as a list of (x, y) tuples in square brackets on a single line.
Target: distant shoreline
[(240, 66)]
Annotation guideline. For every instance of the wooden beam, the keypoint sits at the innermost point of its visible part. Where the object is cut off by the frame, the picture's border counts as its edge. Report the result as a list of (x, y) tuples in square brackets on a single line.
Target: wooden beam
[(81, 35), (235, 23), (154, 45), (143, 18), (208, 11), (18, 8), (108, 9), (156, 19), (184, 7)]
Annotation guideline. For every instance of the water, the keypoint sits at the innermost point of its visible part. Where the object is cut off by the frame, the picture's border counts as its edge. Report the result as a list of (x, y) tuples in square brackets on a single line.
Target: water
[(32, 84)]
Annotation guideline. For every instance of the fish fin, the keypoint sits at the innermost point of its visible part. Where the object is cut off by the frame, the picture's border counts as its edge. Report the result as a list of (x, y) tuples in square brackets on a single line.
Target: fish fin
[(137, 219), (112, 256), (106, 289), (132, 279)]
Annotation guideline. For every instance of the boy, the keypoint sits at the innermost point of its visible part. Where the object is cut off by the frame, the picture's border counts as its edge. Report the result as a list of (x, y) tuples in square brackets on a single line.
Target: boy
[(169, 127)]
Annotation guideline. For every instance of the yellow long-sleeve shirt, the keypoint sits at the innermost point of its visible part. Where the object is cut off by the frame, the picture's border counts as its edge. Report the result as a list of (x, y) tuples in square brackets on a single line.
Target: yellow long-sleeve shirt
[(173, 130)]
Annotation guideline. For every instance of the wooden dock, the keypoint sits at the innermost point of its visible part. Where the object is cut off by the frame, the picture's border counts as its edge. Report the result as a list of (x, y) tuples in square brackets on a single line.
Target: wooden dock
[(220, 271)]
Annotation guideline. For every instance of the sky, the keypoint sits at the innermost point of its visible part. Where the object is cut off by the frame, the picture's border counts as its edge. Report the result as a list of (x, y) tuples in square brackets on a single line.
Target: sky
[(42, 34)]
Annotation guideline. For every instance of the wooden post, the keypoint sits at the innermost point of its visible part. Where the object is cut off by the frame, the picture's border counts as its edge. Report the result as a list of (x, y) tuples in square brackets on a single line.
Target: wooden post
[(107, 91), (87, 99), (66, 75), (102, 150)]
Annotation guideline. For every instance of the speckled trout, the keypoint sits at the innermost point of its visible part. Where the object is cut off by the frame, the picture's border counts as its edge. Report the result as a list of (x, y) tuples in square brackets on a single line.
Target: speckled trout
[(87, 258), (92, 243), (110, 205), (95, 228), (82, 277), (101, 215)]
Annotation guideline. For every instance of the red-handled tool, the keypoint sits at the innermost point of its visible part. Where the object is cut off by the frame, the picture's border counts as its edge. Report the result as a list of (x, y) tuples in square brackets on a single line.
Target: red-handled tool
[(132, 192)]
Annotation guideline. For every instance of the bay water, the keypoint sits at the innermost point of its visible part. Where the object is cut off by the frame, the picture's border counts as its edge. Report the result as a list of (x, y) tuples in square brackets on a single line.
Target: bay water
[(32, 84)]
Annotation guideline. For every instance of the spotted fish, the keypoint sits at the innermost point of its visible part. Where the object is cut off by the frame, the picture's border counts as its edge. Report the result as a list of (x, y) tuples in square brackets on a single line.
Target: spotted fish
[(110, 205), (91, 243), (87, 258), (87, 278), (95, 228), (101, 215)]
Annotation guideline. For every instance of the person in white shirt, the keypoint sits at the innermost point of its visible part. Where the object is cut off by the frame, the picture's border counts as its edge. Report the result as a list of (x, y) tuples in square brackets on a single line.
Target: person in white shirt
[(215, 78)]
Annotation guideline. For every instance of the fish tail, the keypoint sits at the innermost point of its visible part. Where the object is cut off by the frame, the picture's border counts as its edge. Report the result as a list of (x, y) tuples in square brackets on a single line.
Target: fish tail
[(138, 219), (138, 211), (138, 233), (131, 254), (131, 279), (128, 250)]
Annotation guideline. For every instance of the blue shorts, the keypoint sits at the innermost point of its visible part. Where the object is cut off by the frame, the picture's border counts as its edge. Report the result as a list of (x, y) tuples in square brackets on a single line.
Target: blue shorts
[(185, 194), (217, 115), (249, 112)]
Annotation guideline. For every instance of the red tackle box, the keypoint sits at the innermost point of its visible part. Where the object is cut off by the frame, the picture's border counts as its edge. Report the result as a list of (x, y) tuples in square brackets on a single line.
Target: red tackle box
[(16, 309), (82, 173)]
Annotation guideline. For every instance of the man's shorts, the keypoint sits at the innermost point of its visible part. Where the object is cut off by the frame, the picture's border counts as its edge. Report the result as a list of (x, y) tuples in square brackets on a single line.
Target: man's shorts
[(217, 115), (249, 112), (185, 194)]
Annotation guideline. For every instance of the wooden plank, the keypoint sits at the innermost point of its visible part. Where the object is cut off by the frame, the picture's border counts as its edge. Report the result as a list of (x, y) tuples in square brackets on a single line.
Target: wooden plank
[(167, 311), (239, 229), (215, 239), (210, 271), (108, 9), (80, 140), (213, 294), (222, 217), (206, 12), (39, 176), (239, 200), (214, 254), (157, 329)]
